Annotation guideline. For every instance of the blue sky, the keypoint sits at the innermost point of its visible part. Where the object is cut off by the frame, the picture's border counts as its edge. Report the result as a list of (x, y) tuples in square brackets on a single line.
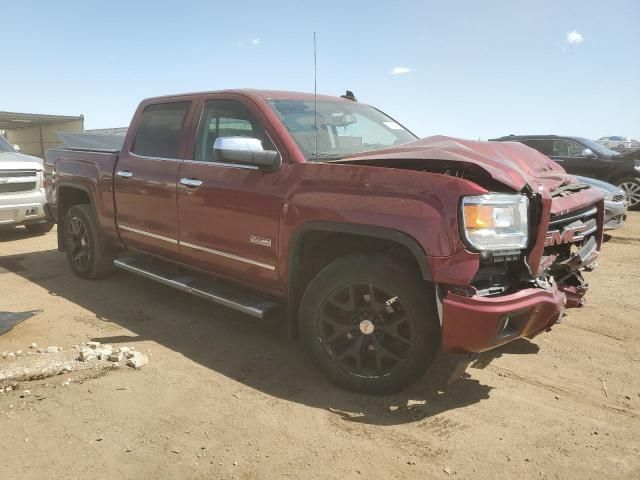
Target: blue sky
[(468, 68)]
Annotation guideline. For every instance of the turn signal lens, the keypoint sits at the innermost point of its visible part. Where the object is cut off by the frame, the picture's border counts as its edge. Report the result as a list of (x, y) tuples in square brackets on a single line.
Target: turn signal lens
[(496, 221)]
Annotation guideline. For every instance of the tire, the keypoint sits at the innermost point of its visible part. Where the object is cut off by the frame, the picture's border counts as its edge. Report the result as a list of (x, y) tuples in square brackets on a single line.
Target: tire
[(370, 324), (39, 228), (631, 187), (84, 243)]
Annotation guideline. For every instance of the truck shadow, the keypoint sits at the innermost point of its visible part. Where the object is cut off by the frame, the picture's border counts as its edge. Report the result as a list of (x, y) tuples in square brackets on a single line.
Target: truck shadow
[(250, 351)]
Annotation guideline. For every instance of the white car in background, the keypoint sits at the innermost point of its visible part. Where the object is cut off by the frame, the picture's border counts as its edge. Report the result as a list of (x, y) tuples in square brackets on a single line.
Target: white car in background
[(616, 142), (21, 190)]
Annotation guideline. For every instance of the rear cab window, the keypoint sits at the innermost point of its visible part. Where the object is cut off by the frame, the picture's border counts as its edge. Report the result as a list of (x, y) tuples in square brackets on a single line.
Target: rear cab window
[(160, 129)]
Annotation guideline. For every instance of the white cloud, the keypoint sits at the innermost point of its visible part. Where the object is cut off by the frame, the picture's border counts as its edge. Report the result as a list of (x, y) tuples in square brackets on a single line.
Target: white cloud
[(401, 70), (256, 41), (574, 38)]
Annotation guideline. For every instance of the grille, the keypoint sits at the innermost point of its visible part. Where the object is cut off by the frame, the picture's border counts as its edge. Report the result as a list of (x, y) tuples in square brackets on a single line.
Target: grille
[(17, 187), (619, 198), (12, 181), (570, 240), (17, 173)]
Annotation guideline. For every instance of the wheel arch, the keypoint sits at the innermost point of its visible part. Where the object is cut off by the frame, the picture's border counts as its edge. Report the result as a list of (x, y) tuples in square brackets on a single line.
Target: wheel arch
[(67, 196), (349, 238)]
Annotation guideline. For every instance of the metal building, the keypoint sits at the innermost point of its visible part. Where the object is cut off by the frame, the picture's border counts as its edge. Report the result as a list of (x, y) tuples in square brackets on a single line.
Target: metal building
[(35, 133)]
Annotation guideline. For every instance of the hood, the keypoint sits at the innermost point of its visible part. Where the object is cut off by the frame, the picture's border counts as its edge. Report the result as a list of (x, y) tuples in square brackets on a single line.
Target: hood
[(630, 155), (509, 163), (19, 161)]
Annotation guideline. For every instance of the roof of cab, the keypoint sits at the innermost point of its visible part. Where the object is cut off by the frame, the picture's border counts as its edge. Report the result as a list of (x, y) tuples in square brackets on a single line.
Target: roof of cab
[(262, 94)]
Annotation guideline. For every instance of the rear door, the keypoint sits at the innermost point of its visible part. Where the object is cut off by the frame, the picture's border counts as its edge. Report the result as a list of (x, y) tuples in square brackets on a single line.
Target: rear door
[(146, 178), (230, 213)]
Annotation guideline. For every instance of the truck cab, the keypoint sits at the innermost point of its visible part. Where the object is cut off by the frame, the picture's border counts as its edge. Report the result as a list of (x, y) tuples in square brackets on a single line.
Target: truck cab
[(377, 249)]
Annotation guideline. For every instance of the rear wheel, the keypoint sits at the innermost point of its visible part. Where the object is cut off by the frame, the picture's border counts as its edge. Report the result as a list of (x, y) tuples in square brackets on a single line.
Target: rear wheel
[(631, 187), (370, 323), (84, 244), (39, 228)]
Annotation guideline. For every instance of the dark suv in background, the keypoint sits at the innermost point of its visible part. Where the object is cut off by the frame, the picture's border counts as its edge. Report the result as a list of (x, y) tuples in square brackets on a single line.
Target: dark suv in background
[(581, 156)]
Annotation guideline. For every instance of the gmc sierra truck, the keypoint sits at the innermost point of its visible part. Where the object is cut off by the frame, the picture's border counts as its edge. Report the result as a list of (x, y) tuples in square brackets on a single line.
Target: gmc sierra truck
[(378, 249)]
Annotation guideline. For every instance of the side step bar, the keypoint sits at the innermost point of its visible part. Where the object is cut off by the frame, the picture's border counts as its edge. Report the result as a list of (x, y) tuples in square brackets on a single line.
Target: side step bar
[(244, 301)]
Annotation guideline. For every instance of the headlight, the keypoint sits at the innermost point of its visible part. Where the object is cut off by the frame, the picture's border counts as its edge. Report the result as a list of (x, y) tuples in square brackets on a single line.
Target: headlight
[(637, 165), (496, 221)]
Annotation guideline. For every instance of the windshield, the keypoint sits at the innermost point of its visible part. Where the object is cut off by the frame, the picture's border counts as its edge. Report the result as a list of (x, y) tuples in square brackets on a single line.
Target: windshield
[(343, 128), (5, 146), (597, 148)]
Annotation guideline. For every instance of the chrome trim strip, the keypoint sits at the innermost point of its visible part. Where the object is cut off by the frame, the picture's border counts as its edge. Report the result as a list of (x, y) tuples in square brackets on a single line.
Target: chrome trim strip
[(148, 234), (587, 213), (155, 158), (198, 247), (229, 255), (221, 164)]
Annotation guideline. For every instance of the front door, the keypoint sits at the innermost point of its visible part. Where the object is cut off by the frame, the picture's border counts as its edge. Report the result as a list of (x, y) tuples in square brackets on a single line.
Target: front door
[(569, 154), (229, 213), (145, 180)]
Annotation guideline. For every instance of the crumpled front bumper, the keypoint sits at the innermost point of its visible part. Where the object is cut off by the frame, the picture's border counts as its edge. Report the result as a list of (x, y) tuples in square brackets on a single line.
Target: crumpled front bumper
[(477, 324)]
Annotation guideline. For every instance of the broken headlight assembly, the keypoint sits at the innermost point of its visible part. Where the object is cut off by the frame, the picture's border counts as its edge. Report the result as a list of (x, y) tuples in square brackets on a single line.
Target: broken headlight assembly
[(495, 221)]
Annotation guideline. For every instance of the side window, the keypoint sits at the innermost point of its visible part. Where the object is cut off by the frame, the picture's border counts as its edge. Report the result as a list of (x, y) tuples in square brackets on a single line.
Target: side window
[(160, 129), (575, 150), (543, 146), (226, 118), (561, 148)]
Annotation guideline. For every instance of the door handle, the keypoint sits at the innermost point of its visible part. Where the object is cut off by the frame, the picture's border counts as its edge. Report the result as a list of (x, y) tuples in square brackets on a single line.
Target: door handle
[(124, 173), (191, 182)]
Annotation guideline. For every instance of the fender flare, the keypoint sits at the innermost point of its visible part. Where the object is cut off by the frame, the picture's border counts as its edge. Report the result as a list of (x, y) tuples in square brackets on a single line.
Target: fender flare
[(351, 228), (59, 217)]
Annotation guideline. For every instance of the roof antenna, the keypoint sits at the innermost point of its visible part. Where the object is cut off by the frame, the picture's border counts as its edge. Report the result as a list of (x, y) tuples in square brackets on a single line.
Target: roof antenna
[(315, 92)]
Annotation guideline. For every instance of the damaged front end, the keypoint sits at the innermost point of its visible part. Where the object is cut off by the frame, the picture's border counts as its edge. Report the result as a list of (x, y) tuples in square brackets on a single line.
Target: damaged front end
[(521, 293)]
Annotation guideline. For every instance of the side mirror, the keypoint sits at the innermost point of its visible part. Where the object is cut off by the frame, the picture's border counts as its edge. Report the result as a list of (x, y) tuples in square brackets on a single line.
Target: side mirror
[(246, 151), (587, 152), (16, 148)]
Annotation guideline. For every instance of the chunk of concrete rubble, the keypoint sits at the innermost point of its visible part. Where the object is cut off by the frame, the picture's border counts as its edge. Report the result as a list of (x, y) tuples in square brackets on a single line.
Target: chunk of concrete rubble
[(137, 360), (87, 354), (116, 356), (93, 345), (53, 349), (34, 345)]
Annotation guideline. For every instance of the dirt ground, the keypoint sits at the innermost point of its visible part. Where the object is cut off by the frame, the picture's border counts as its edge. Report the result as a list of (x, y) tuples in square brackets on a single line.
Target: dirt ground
[(226, 396)]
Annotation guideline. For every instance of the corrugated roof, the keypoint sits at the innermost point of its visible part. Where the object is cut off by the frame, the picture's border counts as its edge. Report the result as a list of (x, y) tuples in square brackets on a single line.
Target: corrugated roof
[(14, 120)]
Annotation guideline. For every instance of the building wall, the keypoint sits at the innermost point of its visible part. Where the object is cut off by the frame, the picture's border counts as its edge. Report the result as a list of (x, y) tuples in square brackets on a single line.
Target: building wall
[(37, 140)]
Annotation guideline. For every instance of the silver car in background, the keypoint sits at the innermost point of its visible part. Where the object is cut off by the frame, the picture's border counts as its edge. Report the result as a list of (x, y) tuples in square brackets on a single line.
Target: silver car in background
[(615, 202), (21, 190)]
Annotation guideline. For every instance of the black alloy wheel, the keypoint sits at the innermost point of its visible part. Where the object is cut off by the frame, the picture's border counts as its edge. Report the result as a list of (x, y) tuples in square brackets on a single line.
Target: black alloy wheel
[(365, 329), (78, 244), (370, 323)]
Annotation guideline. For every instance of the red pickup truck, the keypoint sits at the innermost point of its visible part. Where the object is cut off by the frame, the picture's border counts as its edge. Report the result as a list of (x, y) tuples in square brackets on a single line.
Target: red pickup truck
[(377, 248)]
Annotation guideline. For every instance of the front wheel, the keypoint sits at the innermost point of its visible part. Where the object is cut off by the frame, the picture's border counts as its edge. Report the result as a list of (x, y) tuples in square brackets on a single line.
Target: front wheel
[(370, 324), (84, 244), (631, 187)]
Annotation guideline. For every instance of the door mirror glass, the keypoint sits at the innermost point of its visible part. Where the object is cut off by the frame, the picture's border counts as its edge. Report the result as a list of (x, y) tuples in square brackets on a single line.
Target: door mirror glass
[(246, 151), (587, 152)]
